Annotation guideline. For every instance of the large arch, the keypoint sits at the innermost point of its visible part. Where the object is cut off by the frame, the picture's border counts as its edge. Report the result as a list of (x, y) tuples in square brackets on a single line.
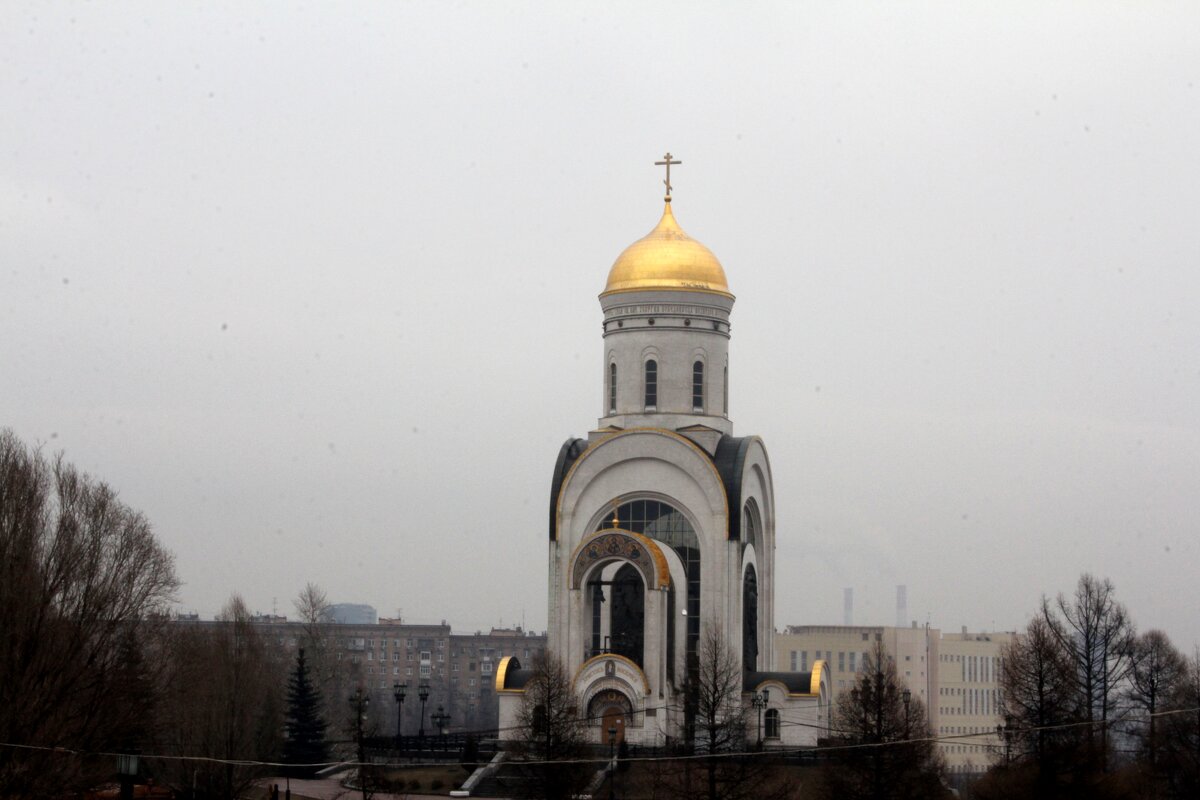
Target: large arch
[(611, 544), (632, 461), (645, 467), (617, 570), (610, 687), (657, 519)]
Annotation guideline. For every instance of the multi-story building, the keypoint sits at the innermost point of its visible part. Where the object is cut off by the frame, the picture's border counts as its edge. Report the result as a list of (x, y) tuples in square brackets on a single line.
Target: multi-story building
[(845, 648), (956, 676), (968, 699), (458, 668)]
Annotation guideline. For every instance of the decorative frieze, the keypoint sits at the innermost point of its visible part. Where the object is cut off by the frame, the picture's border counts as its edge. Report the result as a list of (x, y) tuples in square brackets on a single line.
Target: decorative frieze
[(671, 309)]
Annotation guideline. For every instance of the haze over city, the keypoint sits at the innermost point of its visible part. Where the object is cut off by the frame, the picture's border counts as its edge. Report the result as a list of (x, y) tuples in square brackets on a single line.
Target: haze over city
[(315, 288)]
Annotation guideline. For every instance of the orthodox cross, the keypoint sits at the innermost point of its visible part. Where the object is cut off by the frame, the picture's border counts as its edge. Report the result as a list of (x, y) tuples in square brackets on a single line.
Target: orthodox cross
[(667, 162)]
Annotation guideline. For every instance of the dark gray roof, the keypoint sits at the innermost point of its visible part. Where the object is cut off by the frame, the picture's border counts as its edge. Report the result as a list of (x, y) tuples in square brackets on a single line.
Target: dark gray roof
[(730, 459), (517, 678), (796, 682), (571, 450)]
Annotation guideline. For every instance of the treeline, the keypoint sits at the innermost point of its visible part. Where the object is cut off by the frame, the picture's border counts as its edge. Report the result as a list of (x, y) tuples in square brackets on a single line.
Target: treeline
[(92, 664), (1094, 709)]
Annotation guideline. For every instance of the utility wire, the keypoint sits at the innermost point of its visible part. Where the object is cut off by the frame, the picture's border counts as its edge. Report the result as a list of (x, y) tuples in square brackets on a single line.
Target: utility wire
[(695, 757)]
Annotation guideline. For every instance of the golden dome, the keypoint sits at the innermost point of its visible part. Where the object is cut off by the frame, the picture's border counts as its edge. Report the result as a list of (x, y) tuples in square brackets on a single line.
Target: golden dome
[(667, 258)]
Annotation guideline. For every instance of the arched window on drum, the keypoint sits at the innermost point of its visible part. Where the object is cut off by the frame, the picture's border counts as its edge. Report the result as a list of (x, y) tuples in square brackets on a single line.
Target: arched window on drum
[(612, 388), (651, 387)]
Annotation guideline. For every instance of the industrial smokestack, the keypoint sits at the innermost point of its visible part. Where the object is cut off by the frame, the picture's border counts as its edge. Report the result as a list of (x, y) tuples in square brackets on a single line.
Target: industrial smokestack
[(901, 606), (847, 607)]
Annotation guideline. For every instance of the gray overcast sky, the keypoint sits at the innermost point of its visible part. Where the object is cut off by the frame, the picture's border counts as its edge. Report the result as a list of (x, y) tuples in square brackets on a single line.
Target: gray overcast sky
[(315, 286)]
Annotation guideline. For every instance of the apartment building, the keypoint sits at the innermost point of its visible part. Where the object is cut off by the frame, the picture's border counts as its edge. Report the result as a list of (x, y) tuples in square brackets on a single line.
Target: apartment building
[(968, 698), (459, 668), (956, 676), (844, 648)]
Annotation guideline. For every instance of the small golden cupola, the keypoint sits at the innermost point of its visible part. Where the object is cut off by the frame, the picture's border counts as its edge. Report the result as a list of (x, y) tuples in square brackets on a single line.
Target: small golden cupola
[(667, 258)]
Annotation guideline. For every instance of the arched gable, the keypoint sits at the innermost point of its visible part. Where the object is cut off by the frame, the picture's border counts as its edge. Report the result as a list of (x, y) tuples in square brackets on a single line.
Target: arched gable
[(616, 544), (633, 461)]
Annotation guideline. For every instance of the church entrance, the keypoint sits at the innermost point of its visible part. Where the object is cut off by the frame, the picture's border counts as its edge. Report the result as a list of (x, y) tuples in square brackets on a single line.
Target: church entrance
[(612, 710), (612, 729)]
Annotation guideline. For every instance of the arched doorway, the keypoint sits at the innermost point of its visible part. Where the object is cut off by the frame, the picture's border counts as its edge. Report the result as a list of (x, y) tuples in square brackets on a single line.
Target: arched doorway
[(612, 711)]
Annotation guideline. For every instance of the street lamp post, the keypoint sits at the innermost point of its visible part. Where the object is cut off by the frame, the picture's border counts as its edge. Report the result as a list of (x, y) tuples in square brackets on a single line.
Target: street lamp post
[(423, 694), (398, 691), (127, 768), (759, 700), (359, 702), (906, 695), (612, 771), (440, 718)]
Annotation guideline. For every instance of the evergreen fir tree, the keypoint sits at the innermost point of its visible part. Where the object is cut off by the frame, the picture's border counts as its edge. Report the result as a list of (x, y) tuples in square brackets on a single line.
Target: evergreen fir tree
[(304, 741)]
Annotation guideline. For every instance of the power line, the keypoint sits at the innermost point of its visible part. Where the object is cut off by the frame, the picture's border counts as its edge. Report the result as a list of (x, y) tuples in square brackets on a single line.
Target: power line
[(775, 752)]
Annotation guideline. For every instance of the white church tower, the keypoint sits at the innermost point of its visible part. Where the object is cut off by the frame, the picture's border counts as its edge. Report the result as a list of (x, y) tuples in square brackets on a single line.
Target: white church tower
[(662, 522)]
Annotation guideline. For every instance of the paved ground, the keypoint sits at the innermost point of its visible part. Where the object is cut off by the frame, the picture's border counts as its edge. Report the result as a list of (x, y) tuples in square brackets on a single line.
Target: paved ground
[(332, 789)]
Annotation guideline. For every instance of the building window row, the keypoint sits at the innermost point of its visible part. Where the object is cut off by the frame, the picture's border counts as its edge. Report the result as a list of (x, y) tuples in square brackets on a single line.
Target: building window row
[(650, 386)]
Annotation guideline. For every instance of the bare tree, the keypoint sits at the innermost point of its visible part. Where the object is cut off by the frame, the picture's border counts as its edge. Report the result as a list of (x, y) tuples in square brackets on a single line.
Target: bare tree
[(223, 701), (1097, 635), (721, 716), (716, 689), (1157, 672), (1180, 746), (334, 678), (1040, 702), (552, 729), (887, 748), (312, 607), (84, 587), (719, 751)]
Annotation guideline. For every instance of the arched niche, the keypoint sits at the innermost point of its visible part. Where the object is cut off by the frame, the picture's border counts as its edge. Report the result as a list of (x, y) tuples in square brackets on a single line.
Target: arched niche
[(750, 618), (616, 569), (662, 522)]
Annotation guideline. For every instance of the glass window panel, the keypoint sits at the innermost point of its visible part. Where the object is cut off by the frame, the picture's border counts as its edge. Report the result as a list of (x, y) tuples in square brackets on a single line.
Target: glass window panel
[(651, 384)]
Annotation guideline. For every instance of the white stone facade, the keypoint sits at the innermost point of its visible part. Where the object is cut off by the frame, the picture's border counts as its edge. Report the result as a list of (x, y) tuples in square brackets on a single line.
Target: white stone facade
[(662, 526)]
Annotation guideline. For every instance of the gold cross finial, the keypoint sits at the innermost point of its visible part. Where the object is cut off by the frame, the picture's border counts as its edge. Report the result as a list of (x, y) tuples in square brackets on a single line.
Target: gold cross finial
[(667, 162), (616, 520)]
